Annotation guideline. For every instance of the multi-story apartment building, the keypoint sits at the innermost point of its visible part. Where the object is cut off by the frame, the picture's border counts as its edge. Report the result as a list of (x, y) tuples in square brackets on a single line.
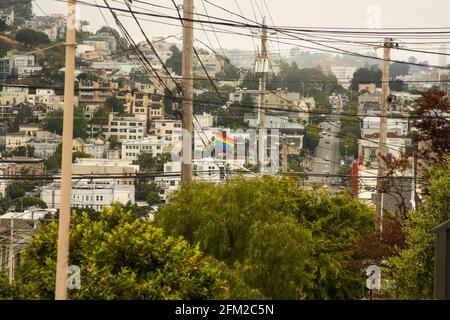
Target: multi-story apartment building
[(13, 95), (143, 103), (91, 92), (124, 128), (151, 144), (6, 170), (344, 75), (15, 140)]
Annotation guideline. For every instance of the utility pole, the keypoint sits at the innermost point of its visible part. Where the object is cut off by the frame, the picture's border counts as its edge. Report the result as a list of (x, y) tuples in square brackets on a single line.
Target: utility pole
[(11, 252), (262, 68), (284, 155), (66, 163), (388, 44), (188, 97)]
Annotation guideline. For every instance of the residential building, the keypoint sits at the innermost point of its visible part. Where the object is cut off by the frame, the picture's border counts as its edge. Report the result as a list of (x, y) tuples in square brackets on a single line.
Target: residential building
[(207, 169), (6, 170), (89, 195), (368, 104), (211, 62), (15, 140), (91, 92), (97, 148), (368, 148), (150, 144), (53, 25), (344, 75), (25, 164), (142, 103), (13, 95), (45, 149)]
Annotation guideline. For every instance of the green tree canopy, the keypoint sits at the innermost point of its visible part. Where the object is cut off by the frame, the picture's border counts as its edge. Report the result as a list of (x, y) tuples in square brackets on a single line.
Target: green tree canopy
[(366, 75), (229, 71), (286, 243), (114, 105), (175, 61), (398, 69), (120, 257), (101, 116), (32, 37), (54, 123), (312, 137), (411, 272), (27, 202)]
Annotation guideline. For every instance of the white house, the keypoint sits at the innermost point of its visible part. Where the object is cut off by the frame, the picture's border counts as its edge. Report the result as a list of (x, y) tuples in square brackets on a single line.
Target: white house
[(89, 195)]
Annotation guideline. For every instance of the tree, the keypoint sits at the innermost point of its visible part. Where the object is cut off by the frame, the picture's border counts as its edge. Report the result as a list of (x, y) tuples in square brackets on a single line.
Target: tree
[(28, 202), (411, 271), (398, 69), (148, 192), (100, 117), (365, 75), (397, 85), (114, 142), (80, 155), (349, 131), (120, 257), (174, 61), (228, 72), (149, 163), (434, 127), (54, 123), (106, 29), (114, 105), (31, 37), (15, 191), (285, 242), (53, 163)]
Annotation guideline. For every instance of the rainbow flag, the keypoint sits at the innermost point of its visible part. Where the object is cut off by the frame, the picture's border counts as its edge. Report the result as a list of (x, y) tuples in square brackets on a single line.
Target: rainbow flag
[(223, 142)]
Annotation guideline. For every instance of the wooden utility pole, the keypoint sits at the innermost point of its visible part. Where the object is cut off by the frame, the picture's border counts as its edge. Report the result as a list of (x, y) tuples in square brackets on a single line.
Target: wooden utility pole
[(388, 44), (11, 252), (66, 163), (188, 97), (262, 68)]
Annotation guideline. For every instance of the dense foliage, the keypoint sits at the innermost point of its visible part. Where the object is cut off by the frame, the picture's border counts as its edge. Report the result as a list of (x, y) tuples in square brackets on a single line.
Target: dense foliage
[(174, 62), (32, 37), (54, 123), (286, 243)]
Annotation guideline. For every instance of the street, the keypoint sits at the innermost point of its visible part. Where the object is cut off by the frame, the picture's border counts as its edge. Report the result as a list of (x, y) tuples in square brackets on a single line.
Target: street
[(326, 159)]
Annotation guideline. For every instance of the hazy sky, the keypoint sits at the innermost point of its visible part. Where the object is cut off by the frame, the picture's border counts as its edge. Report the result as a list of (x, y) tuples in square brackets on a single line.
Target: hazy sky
[(293, 13)]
